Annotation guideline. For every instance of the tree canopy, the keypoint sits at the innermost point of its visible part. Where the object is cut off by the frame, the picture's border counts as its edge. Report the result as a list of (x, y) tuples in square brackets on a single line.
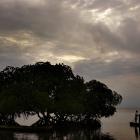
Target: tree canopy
[(45, 89)]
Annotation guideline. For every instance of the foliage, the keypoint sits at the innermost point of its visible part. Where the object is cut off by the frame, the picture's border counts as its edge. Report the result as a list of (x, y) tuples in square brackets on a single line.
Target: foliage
[(46, 89), (101, 100)]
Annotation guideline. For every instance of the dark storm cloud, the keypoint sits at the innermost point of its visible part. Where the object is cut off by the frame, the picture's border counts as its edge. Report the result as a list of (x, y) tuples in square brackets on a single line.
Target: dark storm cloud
[(56, 21), (53, 21), (48, 20)]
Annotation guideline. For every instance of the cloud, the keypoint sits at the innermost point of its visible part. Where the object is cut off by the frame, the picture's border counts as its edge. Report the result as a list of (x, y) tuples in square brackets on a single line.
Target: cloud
[(98, 68), (67, 27), (50, 20), (102, 5)]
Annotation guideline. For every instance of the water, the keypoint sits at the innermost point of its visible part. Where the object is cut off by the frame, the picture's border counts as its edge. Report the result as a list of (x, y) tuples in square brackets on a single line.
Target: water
[(113, 128), (118, 125)]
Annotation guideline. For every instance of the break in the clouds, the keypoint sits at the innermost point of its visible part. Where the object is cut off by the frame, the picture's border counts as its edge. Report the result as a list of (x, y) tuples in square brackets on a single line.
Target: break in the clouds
[(98, 38)]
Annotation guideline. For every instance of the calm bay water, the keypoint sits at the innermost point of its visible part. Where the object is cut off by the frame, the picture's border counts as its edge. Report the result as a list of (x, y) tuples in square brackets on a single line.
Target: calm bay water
[(118, 125), (113, 128)]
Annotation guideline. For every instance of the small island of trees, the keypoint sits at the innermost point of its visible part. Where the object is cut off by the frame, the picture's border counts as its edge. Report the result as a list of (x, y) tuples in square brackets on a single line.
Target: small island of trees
[(55, 94)]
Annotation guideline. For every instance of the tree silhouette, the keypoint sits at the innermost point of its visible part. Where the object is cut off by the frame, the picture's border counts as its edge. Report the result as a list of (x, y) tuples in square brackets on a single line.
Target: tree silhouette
[(44, 89), (101, 100)]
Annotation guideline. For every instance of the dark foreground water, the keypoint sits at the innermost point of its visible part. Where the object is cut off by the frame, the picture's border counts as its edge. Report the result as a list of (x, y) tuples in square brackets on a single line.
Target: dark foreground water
[(113, 128)]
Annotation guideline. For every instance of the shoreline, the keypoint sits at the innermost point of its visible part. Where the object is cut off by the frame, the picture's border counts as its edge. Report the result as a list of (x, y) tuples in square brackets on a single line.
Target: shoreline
[(26, 129), (48, 129)]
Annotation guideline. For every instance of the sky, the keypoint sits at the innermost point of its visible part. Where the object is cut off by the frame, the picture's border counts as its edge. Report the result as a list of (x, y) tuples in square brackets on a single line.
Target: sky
[(99, 39)]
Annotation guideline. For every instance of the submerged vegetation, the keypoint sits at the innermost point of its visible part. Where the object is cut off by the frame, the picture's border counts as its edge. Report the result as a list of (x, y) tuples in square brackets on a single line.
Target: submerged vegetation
[(55, 94)]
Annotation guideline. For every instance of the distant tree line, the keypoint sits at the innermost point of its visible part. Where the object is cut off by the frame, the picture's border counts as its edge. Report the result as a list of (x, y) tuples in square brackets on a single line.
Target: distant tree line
[(55, 94)]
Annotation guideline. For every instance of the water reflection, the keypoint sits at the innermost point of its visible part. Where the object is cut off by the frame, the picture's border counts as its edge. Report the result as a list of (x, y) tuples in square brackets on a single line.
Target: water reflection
[(25, 136), (61, 135), (6, 135), (137, 132)]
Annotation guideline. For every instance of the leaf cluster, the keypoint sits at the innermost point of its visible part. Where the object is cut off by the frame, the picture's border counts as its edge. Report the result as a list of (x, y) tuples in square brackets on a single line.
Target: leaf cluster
[(46, 89)]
